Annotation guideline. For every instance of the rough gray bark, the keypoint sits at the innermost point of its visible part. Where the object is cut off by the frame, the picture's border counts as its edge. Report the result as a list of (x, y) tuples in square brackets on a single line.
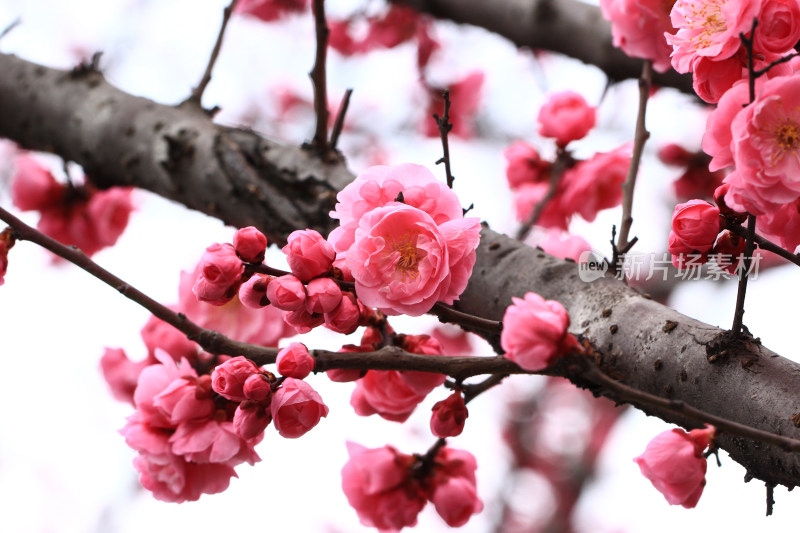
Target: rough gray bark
[(569, 27), (241, 178)]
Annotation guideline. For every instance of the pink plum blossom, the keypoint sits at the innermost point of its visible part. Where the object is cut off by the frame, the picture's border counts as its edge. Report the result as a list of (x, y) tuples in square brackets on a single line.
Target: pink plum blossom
[(229, 377), (296, 408), (324, 295), (378, 485), (270, 10), (566, 117), (695, 225), (346, 317), (535, 332), (258, 387), (309, 254), (253, 292), (120, 373), (673, 462), (778, 26), (449, 416), (220, 274), (456, 500), (158, 334), (564, 245), (171, 478), (287, 293), (294, 361), (596, 184), (33, 187), (250, 244), (402, 262), (708, 28), (638, 28), (250, 420), (524, 165), (380, 185), (109, 212)]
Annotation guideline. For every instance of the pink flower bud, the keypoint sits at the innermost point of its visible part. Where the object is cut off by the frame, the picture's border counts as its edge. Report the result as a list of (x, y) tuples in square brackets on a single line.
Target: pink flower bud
[(674, 154), (324, 295), (346, 316), (296, 408), (695, 225), (674, 464), (250, 244), (228, 378), (287, 293), (309, 254), (250, 420), (294, 361), (302, 320), (253, 292), (109, 212), (257, 388), (449, 416), (566, 117), (33, 187), (728, 252), (220, 274), (724, 210), (456, 500), (535, 332)]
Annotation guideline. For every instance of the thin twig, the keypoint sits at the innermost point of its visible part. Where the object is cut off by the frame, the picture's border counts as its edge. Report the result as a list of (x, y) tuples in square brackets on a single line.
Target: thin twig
[(562, 162), (628, 394), (10, 27), (472, 391), (318, 78), (741, 291), (766, 244), (197, 93), (338, 124), (640, 138), (445, 126)]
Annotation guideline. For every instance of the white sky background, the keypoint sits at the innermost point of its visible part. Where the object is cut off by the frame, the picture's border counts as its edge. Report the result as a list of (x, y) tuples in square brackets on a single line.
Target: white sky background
[(63, 466)]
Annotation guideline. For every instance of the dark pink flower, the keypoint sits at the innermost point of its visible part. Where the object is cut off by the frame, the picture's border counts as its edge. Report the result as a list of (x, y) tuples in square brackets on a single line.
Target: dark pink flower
[(566, 117), (673, 462), (220, 274), (270, 10), (456, 500), (449, 416), (695, 225), (638, 28), (109, 212), (465, 97), (378, 484), (296, 408), (535, 332), (250, 244), (33, 187), (294, 361), (523, 165), (596, 184)]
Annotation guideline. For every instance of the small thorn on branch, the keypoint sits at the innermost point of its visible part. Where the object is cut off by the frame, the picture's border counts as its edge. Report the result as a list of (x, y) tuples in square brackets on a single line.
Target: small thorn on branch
[(10, 27), (339, 122), (770, 498), (445, 126)]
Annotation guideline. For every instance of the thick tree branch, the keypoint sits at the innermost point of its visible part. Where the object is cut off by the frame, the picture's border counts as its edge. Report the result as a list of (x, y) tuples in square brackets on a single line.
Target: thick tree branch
[(569, 27), (243, 179)]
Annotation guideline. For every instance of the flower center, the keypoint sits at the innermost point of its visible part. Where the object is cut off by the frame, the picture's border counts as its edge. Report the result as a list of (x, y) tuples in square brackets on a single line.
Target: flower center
[(706, 17), (788, 136), (408, 263)]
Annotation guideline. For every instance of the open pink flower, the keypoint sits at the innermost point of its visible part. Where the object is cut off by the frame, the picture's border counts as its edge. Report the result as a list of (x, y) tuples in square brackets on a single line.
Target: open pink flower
[(535, 332), (708, 28), (596, 184), (638, 28), (523, 165), (33, 187), (673, 462), (380, 185), (109, 212), (378, 484), (566, 117), (120, 373), (171, 478), (403, 263)]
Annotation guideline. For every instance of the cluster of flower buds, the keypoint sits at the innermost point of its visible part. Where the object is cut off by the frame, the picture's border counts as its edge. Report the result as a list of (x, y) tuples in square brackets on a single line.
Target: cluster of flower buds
[(74, 215), (293, 405), (584, 187), (388, 489)]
